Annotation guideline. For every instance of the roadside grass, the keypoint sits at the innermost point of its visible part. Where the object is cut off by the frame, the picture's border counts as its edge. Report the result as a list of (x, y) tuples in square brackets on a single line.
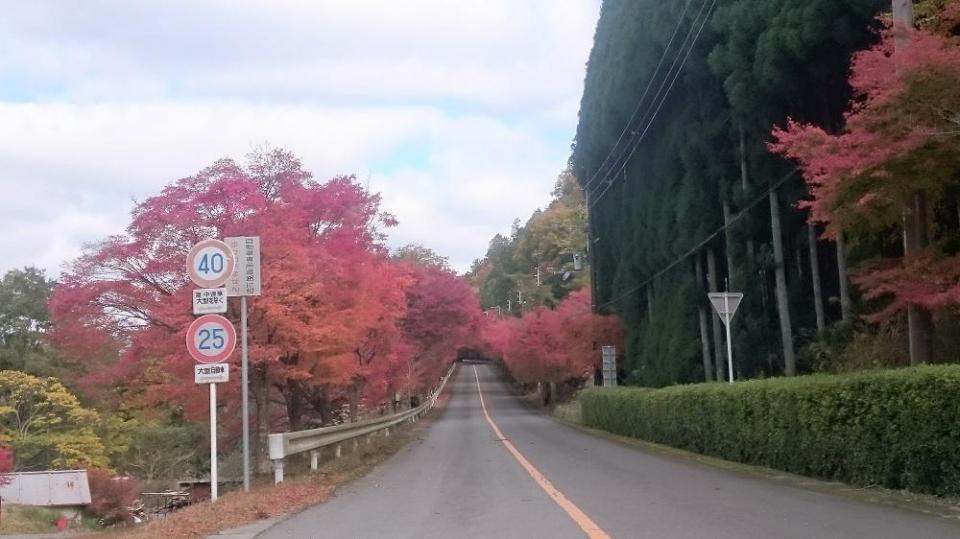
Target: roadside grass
[(569, 411), (27, 519), (945, 507)]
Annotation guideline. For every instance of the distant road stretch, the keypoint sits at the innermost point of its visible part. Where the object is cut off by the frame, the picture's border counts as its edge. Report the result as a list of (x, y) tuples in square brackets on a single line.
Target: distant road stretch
[(492, 468)]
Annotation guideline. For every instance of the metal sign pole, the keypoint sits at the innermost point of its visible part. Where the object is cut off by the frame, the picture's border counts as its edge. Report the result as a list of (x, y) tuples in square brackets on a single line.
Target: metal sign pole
[(726, 304), (213, 442), (244, 394)]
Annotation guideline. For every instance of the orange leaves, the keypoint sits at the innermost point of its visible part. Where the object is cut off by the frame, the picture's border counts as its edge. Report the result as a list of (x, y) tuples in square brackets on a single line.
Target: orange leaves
[(336, 310)]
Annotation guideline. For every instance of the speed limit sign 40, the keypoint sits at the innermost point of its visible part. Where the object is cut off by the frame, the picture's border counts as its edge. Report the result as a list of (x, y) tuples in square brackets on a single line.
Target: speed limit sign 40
[(210, 263), (211, 339)]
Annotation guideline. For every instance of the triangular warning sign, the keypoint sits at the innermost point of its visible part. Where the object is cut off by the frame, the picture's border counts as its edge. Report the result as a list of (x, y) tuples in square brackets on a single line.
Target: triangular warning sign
[(725, 303)]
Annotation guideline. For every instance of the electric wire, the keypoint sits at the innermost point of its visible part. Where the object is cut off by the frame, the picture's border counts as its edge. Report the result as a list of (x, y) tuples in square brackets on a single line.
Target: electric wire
[(656, 71), (733, 219), (663, 98)]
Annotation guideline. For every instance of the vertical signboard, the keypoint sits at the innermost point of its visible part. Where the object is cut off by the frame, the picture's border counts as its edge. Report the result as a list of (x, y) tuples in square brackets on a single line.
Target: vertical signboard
[(245, 279), (609, 366)]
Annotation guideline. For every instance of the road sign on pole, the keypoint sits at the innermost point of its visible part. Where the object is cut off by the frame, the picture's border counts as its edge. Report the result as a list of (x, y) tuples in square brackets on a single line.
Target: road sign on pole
[(210, 301), (214, 482), (211, 339), (210, 263), (609, 368), (726, 303), (245, 281)]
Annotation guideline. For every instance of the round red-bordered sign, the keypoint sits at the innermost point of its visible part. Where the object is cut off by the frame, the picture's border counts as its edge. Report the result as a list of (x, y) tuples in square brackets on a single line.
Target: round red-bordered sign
[(211, 338), (210, 263)]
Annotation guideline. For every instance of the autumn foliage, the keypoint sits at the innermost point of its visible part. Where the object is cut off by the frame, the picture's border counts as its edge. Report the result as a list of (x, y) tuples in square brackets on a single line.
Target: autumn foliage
[(338, 317), (6, 464), (554, 345), (111, 496), (900, 138)]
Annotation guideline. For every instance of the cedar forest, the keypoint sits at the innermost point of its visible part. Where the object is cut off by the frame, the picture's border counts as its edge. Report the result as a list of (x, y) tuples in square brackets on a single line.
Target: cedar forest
[(803, 152)]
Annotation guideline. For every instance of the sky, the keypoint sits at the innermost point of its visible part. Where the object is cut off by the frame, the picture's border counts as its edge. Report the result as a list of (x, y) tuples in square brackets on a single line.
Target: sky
[(460, 113)]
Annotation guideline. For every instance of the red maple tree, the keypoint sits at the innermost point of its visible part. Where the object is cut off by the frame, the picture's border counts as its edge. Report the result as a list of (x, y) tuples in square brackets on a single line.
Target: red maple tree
[(326, 323), (900, 138), (554, 345)]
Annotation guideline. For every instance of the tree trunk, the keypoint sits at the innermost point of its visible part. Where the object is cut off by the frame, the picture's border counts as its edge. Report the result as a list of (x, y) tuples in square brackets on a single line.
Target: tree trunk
[(717, 340), (293, 397), (728, 239), (261, 398), (846, 306), (919, 319), (798, 256), (354, 401), (320, 400), (815, 276), (745, 185), (783, 305), (650, 302), (702, 314)]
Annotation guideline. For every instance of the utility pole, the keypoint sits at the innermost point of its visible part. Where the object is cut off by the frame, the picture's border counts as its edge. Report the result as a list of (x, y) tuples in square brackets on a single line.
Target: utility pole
[(591, 256)]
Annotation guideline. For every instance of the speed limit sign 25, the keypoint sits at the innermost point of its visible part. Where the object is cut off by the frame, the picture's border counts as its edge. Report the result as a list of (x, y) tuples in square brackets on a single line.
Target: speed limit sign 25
[(211, 339)]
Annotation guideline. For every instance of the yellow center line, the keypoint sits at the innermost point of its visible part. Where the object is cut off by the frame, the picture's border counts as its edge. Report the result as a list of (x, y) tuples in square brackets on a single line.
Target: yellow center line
[(586, 524)]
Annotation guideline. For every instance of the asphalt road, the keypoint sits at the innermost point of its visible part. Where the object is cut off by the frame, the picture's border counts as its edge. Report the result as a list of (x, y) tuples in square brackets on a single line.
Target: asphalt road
[(461, 480)]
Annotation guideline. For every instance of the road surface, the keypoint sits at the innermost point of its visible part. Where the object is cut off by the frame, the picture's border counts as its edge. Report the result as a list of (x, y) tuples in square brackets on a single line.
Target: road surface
[(521, 474)]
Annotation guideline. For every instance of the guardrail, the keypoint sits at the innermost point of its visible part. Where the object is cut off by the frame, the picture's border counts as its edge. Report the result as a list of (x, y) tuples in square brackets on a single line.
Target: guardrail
[(285, 444)]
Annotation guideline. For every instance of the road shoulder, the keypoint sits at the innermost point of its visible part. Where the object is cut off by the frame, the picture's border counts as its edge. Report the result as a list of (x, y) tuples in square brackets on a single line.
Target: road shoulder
[(947, 508)]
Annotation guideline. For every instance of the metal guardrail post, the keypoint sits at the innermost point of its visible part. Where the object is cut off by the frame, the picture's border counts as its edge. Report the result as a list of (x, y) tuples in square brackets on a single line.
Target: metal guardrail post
[(284, 444), (277, 471)]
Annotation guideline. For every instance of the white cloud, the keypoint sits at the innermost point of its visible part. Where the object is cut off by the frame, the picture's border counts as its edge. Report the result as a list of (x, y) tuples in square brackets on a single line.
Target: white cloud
[(454, 107), (71, 171)]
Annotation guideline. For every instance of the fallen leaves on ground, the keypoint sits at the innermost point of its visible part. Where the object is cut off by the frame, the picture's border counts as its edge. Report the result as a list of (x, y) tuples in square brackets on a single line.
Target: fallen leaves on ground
[(236, 509)]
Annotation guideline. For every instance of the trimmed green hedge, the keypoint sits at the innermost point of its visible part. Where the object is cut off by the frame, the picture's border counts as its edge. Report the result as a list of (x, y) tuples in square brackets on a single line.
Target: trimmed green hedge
[(895, 428)]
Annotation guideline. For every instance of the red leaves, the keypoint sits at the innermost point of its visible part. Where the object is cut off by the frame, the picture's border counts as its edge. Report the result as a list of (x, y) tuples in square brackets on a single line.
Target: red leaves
[(111, 496), (554, 345), (6, 464), (335, 311), (893, 142), (443, 315), (900, 138), (926, 279)]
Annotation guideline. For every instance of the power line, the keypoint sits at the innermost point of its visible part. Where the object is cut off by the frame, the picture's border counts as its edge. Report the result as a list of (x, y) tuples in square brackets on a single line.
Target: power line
[(663, 99), (646, 90), (735, 218)]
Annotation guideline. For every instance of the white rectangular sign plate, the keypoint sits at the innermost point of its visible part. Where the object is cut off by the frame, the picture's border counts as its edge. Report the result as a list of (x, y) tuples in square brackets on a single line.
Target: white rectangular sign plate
[(609, 369), (211, 373), (210, 301), (245, 280), (725, 303)]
